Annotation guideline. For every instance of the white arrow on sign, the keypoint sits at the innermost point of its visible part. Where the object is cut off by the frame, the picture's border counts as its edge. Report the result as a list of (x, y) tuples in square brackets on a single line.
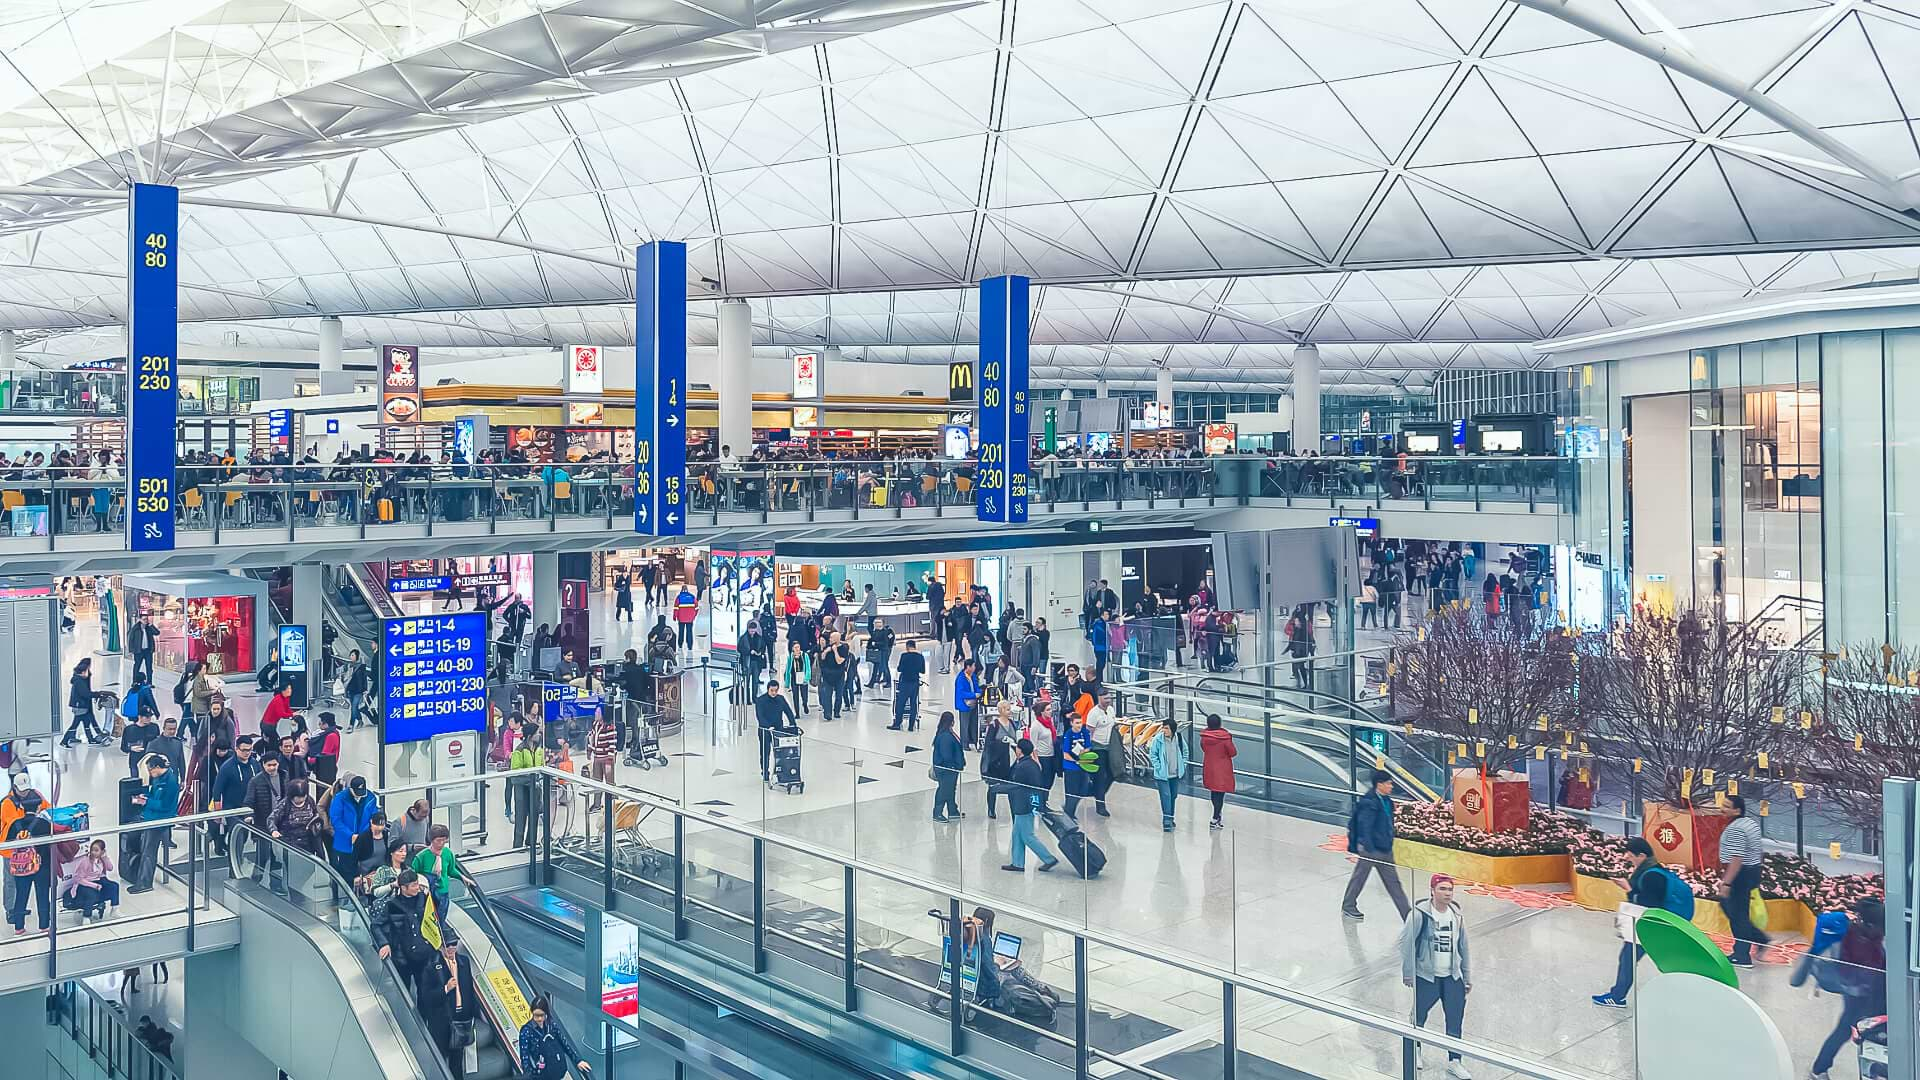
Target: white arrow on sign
[(673, 420), (673, 518), (642, 512), (393, 650)]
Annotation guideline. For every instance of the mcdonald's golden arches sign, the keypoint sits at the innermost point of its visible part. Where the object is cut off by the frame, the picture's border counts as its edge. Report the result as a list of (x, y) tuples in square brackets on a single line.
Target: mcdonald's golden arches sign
[(960, 381)]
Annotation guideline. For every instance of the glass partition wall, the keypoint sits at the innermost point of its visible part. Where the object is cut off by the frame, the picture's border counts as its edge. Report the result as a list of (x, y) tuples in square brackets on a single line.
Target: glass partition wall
[(1776, 481)]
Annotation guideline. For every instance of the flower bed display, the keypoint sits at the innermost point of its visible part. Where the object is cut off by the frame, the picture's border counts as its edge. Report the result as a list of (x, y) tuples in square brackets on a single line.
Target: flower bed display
[(1842, 892), (1429, 839)]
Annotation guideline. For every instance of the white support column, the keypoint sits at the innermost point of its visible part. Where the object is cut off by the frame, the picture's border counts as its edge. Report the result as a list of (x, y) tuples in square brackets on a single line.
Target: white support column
[(829, 367), (1100, 389), (1306, 399), (333, 371), (546, 589), (734, 382), (1163, 390), (6, 350), (310, 611)]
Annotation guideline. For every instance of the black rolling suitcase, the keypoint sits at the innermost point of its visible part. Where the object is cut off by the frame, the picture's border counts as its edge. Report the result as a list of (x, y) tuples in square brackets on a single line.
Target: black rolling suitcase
[(1085, 855)]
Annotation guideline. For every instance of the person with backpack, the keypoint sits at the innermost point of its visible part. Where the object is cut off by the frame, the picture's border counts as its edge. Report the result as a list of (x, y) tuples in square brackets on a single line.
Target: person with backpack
[(1849, 958), (135, 737), (80, 701), (1436, 963), (544, 1049), (1649, 885), (30, 872)]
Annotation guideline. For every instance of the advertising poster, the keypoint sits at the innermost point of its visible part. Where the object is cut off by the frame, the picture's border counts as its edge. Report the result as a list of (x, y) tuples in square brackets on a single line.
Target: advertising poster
[(806, 375), (399, 384), (619, 966), (724, 610), (959, 381), (806, 416), (1220, 438)]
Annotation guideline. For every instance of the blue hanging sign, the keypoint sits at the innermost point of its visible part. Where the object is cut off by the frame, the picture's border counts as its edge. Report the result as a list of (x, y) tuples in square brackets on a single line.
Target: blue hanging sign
[(280, 424), (153, 334), (428, 584), (1000, 482), (660, 390), (434, 670)]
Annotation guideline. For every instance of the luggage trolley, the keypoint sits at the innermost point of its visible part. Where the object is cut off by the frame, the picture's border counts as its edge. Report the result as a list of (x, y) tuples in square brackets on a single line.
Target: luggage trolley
[(643, 750), (786, 762)]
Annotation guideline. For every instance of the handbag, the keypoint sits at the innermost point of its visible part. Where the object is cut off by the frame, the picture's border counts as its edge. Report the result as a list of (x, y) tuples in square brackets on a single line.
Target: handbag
[(462, 1034), (1756, 910), (933, 773)]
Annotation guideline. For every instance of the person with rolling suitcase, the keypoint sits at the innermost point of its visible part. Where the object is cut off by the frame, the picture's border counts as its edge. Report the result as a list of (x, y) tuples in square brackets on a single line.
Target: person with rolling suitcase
[(1025, 788), (1087, 857)]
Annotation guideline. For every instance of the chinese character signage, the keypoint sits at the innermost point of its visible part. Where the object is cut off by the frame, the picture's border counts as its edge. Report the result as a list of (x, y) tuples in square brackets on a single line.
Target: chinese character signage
[(153, 309), (434, 675), (428, 584), (806, 375), (660, 390), (280, 423), (399, 384), (1005, 415)]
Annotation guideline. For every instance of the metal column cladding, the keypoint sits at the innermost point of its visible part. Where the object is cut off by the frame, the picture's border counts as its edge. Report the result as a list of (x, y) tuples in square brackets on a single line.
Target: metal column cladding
[(1000, 481), (660, 390), (153, 310)]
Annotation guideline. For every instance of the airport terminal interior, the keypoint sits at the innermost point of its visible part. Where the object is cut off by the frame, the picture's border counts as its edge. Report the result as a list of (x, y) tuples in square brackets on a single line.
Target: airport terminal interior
[(1006, 539)]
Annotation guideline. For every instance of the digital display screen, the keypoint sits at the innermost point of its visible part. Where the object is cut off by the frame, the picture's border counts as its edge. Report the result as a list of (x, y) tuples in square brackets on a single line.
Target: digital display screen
[(293, 648), (1497, 441), (435, 675), (619, 966), (1423, 444)]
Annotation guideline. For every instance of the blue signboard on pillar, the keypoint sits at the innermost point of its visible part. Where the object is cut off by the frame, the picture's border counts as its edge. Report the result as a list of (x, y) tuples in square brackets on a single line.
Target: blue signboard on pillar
[(1005, 415), (660, 390), (153, 310)]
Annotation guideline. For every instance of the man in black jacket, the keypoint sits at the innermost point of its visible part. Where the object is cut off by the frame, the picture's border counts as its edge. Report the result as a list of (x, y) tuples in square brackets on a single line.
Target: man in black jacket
[(1027, 782), (879, 652), (773, 713), (231, 784), (141, 641), (906, 691), (265, 792), (395, 924)]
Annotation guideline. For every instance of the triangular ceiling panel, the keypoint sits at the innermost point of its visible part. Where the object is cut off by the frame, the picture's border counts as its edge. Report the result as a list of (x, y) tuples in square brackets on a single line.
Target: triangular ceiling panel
[(1347, 40), (1474, 126), (1840, 81), (1697, 210), (1328, 206), (1782, 210), (1520, 186), (1470, 232), (1464, 20), (1600, 186), (1398, 232), (1258, 59), (1247, 226), (1559, 123), (1391, 106)]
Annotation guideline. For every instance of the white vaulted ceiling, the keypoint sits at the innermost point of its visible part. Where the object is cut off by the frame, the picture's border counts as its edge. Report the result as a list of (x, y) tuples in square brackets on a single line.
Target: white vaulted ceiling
[(1411, 184)]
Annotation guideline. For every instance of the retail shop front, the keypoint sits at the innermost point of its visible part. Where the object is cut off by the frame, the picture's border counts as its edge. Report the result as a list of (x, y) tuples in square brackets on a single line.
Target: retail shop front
[(217, 619)]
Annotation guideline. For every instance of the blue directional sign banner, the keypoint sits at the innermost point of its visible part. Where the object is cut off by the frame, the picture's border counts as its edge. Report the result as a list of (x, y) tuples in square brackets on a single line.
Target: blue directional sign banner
[(660, 390), (430, 583), (153, 310), (1005, 418), (434, 675)]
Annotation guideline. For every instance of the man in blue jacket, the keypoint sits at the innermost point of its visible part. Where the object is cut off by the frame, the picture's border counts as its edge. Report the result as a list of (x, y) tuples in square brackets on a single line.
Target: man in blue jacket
[(1370, 836), (351, 814), (230, 785), (161, 801)]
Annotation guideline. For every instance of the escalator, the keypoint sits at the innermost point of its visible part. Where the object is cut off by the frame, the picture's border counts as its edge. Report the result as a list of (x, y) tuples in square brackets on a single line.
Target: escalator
[(689, 1011), (304, 896)]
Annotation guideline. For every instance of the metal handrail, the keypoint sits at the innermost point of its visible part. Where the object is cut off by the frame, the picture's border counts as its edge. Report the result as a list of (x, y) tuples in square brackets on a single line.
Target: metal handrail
[(1123, 943)]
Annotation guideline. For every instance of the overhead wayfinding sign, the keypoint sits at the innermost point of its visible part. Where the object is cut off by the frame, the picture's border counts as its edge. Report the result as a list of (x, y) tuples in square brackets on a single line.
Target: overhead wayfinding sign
[(153, 310), (1005, 419), (660, 390), (434, 675)]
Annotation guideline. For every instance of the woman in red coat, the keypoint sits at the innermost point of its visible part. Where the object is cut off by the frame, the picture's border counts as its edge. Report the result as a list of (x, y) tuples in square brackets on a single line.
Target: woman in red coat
[(1216, 764)]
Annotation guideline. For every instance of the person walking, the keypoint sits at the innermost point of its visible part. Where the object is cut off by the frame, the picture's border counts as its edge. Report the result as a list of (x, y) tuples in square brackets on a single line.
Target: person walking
[(524, 790), (798, 675), (395, 923), (29, 872), (833, 674), (351, 814), (231, 783), (1026, 796), (1740, 853), (1216, 765), (1300, 646), (448, 1001), (142, 640), (359, 683), (623, 596), (1045, 736), (80, 702), (773, 714), (265, 793), (1108, 753), (949, 760), (1168, 752), (1435, 963), (1859, 976), (1077, 741), (906, 693), (1370, 836), (1101, 641), (1646, 884)]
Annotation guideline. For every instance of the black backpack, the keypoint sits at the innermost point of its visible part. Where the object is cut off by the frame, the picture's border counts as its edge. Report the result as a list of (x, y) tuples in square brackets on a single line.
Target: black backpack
[(180, 690), (1025, 1004)]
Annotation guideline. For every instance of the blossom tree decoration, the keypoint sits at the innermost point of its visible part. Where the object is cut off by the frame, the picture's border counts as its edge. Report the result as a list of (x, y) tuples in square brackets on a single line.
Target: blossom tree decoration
[(1692, 699), (1485, 684), (1870, 728)]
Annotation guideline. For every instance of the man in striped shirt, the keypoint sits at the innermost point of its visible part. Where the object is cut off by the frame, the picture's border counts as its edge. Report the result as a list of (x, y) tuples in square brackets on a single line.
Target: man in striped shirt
[(1740, 852)]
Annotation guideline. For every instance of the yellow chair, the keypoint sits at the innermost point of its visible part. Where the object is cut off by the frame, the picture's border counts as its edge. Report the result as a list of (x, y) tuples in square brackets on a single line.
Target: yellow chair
[(562, 489), (928, 484), (192, 498), (11, 499), (963, 483)]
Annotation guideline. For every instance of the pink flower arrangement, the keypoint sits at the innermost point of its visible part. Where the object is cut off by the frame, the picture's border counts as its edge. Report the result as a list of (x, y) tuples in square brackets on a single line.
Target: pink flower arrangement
[(1547, 832), (1842, 892)]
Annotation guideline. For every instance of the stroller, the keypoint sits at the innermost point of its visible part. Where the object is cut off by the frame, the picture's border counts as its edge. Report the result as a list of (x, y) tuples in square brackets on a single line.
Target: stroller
[(1871, 1034)]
